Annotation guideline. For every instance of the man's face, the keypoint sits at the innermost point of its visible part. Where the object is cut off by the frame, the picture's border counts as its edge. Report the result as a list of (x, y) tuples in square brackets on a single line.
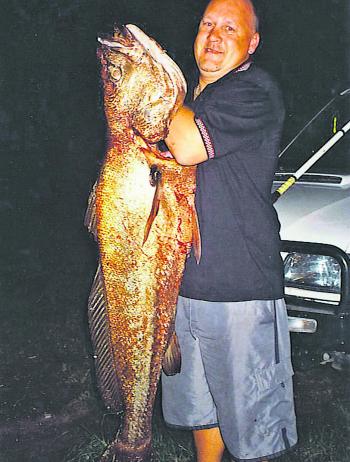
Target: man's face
[(226, 36)]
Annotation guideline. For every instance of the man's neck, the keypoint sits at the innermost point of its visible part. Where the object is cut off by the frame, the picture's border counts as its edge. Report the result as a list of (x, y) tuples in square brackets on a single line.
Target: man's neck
[(197, 91), (205, 80)]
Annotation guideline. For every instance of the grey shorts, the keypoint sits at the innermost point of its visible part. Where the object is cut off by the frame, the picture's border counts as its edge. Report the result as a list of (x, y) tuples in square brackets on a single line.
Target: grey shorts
[(236, 374)]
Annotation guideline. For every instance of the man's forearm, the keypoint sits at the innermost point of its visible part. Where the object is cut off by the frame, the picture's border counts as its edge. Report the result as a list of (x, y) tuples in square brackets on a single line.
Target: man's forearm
[(184, 139)]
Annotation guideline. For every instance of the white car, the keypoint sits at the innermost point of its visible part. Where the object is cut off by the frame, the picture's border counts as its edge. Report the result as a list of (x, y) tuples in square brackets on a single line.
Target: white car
[(315, 229)]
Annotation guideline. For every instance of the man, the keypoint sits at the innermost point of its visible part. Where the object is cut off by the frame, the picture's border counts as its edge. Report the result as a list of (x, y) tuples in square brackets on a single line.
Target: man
[(235, 386)]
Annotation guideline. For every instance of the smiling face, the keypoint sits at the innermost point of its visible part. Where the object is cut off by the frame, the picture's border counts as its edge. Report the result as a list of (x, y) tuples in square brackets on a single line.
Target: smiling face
[(226, 37)]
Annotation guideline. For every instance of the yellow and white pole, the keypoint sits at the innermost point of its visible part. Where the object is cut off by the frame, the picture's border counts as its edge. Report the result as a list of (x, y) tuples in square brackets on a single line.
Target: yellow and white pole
[(309, 163)]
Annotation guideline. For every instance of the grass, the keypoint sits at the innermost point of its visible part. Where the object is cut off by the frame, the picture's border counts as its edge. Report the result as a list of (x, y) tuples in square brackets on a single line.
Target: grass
[(168, 445), (165, 448), (323, 415), (324, 445), (87, 451)]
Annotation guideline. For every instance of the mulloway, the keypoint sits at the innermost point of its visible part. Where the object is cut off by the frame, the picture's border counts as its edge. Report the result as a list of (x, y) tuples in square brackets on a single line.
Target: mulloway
[(142, 214)]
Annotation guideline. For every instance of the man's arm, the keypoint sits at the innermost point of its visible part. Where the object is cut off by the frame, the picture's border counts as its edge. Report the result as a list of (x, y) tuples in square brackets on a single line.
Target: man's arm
[(184, 139)]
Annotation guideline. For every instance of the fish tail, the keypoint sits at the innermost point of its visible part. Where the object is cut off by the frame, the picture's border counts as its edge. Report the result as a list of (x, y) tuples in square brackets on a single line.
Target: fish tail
[(119, 451)]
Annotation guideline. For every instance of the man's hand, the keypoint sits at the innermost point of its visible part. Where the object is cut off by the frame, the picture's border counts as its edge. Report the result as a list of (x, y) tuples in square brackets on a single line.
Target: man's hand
[(184, 139)]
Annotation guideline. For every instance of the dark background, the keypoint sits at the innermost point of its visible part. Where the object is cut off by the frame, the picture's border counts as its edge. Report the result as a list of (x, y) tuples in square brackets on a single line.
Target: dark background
[(51, 119), (53, 135)]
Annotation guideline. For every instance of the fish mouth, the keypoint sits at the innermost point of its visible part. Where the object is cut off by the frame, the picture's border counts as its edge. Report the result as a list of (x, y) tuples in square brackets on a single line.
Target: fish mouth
[(135, 44), (121, 38), (158, 54), (122, 41), (125, 35)]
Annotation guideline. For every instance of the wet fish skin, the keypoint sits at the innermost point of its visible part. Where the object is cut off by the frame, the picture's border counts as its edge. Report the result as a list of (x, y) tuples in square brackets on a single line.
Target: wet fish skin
[(139, 274)]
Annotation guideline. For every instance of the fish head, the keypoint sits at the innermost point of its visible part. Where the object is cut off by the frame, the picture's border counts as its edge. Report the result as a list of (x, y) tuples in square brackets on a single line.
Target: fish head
[(117, 55), (142, 84)]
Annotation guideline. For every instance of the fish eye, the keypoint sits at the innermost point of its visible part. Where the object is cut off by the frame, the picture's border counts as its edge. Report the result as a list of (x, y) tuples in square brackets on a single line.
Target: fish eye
[(115, 72)]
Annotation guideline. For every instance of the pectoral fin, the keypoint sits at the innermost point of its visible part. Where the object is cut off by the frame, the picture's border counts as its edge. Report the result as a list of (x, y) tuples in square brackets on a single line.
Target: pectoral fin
[(155, 180), (172, 358)]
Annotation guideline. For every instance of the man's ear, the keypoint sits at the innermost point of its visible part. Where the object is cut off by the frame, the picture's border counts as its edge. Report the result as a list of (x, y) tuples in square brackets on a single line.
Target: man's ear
[(254, 42)]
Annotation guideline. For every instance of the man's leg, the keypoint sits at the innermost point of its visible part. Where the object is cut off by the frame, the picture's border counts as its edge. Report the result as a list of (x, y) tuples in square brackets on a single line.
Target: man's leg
[(209, 445), (246, 358)]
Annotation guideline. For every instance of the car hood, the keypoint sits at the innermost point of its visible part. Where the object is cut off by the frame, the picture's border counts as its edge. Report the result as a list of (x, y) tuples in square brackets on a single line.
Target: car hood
[(316, 212)]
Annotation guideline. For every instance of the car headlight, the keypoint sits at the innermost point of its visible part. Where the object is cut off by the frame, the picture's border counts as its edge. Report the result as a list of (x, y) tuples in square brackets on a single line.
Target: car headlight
[(317, 277)]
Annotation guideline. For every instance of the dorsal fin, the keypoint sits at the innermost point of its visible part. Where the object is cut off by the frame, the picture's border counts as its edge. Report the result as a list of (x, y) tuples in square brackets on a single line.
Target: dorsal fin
[(90, 215)]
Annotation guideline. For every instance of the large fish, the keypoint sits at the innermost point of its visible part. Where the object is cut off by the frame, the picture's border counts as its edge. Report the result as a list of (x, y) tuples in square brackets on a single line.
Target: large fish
[(143, 215)]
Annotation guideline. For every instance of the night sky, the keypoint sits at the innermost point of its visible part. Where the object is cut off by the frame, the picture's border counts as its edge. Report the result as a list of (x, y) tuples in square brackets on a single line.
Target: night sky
[(51, 117)]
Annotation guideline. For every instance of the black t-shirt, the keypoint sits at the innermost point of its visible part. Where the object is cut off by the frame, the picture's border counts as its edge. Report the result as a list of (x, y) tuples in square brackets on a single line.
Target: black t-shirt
[(240, 118)]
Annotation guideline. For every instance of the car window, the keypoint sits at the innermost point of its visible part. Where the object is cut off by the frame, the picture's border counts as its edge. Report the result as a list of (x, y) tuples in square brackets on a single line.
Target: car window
[(337, 159)]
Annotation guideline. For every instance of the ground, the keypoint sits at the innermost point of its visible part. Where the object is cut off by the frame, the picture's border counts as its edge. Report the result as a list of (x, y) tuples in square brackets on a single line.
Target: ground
[(50, 408)]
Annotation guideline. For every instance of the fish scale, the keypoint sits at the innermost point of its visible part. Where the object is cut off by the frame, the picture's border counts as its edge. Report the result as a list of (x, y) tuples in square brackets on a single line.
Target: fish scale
[(142, 214)]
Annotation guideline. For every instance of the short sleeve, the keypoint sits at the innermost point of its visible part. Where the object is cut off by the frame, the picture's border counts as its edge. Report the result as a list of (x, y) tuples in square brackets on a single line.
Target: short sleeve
[(235, 120)]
